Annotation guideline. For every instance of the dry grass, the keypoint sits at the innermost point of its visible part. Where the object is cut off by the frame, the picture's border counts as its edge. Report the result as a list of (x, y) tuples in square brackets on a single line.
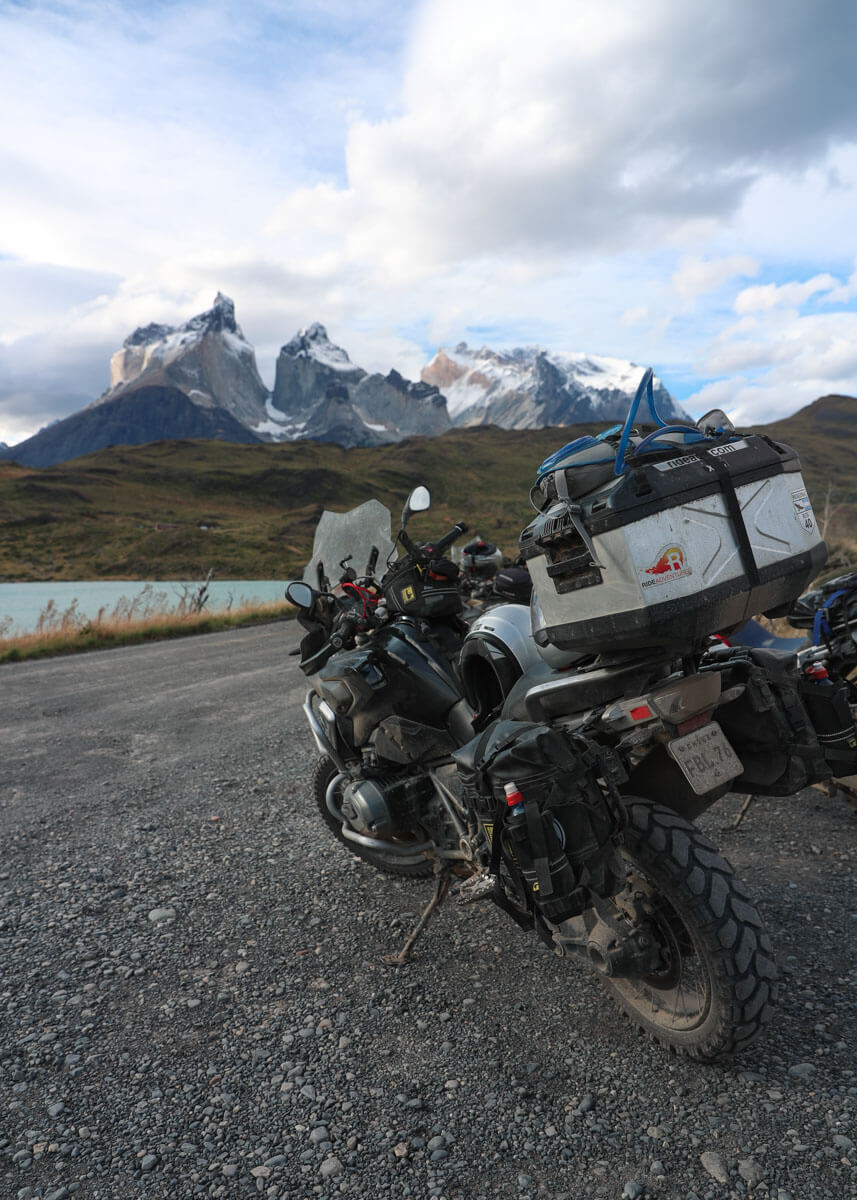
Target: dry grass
[(145, 618)]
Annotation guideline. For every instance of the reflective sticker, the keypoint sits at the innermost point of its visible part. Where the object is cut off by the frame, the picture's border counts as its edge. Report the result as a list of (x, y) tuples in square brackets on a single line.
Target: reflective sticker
[(803, 511), (670, 564), (729, 448), (408, 595), (686, 461)]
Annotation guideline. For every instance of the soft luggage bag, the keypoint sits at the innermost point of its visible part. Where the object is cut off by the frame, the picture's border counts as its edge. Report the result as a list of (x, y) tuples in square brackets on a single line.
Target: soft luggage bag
[(769, 724), (566, 851)]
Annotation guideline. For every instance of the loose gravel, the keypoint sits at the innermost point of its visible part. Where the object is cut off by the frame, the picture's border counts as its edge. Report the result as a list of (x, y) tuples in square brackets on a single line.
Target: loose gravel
[(193, 1002)]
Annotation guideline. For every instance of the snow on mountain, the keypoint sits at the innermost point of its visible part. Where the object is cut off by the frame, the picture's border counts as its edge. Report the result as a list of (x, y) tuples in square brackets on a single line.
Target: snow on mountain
[(319, 393), (208, 358), (531, 387), (200, 380)]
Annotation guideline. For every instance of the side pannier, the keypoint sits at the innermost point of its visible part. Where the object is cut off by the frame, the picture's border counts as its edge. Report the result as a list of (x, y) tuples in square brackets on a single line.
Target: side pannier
[(562, 849), (769, 723)]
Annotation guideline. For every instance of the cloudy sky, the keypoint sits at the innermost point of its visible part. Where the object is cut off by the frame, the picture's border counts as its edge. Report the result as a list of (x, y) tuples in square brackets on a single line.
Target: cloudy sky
[(672, 182)]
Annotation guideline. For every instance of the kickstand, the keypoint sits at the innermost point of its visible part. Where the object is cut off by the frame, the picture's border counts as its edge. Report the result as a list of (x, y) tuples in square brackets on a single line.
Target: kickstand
[(443, 877), (742, 814), (840, 789)]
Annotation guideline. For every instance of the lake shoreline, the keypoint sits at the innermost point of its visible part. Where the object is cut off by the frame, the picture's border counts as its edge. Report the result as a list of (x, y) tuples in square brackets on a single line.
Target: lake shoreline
[(31, 607), (160, 627)]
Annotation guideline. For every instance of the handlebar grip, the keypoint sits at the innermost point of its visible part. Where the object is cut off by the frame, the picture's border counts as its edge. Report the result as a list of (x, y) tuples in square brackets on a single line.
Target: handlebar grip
[(449, 538), (345, 630)]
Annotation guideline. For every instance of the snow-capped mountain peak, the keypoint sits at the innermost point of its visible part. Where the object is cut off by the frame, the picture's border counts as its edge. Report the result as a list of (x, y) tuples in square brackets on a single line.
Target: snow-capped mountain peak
[(529, 387), (313, 342), (208, 358)]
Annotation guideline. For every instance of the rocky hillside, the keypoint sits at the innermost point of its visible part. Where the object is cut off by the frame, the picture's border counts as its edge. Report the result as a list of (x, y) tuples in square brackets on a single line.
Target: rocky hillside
[(200, 380)]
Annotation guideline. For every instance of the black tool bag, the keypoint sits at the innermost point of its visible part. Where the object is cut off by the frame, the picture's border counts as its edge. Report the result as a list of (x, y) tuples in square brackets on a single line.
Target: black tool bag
[(566, 850), (768, 725), (424, 590)]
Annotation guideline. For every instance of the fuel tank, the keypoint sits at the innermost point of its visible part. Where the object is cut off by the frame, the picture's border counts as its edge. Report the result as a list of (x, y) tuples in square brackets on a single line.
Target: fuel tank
[(397, 672)]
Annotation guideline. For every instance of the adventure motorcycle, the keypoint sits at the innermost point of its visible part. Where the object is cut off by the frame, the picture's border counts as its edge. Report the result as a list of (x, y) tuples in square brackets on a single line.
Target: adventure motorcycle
[(564, 793), (825, 661)]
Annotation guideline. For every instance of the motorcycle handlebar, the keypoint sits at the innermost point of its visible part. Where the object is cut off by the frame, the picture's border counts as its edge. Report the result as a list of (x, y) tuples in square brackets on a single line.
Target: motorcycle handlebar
[(449, 538), (345, 630), (432, 549)]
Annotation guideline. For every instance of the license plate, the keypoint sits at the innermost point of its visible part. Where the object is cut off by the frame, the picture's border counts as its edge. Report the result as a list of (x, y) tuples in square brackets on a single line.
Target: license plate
[(706, 758)]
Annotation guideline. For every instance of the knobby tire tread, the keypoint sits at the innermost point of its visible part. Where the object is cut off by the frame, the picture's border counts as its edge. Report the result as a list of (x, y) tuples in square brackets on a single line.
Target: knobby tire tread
[(745, 975)]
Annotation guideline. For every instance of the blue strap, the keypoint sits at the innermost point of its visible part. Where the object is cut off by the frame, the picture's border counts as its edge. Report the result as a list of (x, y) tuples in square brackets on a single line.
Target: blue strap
[(570, 448), (820, 623), (691, 430)]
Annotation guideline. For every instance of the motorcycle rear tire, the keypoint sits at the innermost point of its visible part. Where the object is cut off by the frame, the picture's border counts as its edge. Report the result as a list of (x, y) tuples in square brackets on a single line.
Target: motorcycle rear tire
[(325, 771), (717, 987)]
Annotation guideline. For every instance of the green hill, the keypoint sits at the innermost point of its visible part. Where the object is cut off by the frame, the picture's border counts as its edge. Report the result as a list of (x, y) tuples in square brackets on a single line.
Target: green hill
[(173, 510)]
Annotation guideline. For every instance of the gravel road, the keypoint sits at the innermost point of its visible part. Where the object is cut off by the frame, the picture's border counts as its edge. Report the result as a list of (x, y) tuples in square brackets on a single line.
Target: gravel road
[(193, 1003)]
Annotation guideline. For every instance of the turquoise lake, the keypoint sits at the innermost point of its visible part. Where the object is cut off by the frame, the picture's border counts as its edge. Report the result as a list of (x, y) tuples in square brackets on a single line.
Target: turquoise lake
[(22, 603)]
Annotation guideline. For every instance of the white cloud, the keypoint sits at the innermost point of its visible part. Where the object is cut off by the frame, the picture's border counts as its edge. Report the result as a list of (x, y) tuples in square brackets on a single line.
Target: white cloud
[(794, 359), (697, 276), (787, 295), (587, 176)]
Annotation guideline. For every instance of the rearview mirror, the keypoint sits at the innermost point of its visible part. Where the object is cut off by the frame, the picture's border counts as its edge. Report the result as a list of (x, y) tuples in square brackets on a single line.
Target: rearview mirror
[(418, 501), (300, 594)]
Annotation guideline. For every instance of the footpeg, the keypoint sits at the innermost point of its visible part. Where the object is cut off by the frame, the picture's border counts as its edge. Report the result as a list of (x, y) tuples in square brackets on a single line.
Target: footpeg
[(477, 887)]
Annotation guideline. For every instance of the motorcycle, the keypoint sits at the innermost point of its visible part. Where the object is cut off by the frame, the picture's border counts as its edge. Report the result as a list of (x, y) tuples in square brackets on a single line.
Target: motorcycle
[(562, 788), (826, 657), (485, 580)]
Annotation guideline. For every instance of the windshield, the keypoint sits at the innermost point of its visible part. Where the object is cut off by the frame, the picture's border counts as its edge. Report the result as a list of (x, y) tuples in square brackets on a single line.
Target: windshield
[(356, 533)]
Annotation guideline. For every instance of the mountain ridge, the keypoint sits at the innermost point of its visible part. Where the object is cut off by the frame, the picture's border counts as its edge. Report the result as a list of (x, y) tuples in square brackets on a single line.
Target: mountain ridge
[(320, 394)]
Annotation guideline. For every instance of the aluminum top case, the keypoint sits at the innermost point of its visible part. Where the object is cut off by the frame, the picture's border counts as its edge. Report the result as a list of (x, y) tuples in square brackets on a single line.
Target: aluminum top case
[(690, 533)]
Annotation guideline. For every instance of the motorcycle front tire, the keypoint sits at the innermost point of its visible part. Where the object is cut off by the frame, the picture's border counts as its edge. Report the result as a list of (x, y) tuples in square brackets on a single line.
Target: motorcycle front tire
[(413, 867), (716, 987)]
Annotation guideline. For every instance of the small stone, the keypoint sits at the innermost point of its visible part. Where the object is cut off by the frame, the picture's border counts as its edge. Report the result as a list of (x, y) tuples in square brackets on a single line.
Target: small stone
[(260, 1172), (587, 1104), (148, 1163), (841, 1142), (715, 1165), (802, 1071), (524, 1181), (230, 1170), (401, 1150), (319, 1134), (330, 1167), (750, 1170), (633, 1190), (241, 967), (54, 1110), (158, 915), (437, 1143)]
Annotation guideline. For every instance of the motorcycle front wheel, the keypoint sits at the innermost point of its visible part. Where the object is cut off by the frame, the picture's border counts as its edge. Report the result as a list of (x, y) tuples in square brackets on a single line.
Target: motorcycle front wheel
[(716, 985), (415, 866)]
